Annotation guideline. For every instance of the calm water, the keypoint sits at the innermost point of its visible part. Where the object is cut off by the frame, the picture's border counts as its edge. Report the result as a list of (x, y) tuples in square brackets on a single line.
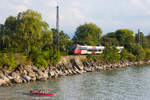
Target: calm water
[(132, 83)]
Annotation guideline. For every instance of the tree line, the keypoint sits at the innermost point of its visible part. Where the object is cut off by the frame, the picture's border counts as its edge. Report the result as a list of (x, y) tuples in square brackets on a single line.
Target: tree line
[(27, 39)]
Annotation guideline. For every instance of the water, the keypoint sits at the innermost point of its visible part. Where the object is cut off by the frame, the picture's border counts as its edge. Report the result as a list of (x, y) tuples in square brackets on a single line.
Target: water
[(132, 83)]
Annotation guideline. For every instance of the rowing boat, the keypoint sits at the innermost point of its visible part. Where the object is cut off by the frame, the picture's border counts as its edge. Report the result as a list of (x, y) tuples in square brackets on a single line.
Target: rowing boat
[(39, 94)]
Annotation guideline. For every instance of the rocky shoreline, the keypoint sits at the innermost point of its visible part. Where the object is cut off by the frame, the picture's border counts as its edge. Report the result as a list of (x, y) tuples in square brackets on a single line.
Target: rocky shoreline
[(69, 65)]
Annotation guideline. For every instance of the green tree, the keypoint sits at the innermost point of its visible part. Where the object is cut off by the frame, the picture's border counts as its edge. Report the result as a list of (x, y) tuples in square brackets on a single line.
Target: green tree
[(64, 41), (147, 53), (138, 51), (25, 31), (142, 40), (111, 54), (110, 39), (87, 34), (125, 55), (125, 37)]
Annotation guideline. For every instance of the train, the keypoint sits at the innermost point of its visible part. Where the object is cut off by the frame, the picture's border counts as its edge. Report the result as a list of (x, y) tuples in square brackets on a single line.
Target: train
[(85, 49)]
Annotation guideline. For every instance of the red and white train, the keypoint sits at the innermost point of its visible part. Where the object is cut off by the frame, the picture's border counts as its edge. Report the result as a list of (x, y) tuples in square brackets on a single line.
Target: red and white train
[(79, 49)]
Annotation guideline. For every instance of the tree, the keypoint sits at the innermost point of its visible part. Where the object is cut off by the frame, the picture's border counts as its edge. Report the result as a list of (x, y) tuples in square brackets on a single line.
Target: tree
[(125, 37), (25, 31), (138, 51), (64, 41), (87, 34), (111, 54), (142, 40), (110, 39)]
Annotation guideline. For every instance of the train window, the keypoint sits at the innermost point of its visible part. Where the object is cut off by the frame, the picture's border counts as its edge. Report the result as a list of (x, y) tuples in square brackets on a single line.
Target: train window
[(99, 50), (92, 50), (82, 48)]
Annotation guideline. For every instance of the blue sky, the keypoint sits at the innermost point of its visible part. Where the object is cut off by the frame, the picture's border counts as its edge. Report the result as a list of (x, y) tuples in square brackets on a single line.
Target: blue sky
[(109, 15)]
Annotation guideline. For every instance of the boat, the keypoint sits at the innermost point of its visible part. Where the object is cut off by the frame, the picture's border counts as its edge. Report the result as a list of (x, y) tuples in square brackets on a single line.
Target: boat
[(39, 94)]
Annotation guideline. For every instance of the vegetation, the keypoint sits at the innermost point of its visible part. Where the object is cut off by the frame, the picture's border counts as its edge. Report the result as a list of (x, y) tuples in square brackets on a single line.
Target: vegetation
[(27, 39), (87, 34)]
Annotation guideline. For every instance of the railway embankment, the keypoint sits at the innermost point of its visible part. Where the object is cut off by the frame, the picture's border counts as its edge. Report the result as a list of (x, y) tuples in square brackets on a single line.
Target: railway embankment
[(69, 65)]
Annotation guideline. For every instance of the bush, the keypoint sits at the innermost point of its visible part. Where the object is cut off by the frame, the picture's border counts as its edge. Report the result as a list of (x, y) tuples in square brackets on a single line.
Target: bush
[(20, 58), (147, 54), (131, 57), (124, 54), (138, 51), (39, 59), (111, 54), (91, 57), (40, 62), (7, 59), (54, 56)]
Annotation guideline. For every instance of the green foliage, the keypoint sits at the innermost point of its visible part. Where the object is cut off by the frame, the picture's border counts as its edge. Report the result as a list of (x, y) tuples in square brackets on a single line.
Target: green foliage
[(64, 42), (7, 59), (125, 55), (142, 40), (55, 56), (20, 58), (110, 39), (24, 32), (147, 54), (39, 58), (111, 54), (131, 57), (138, 51), (87, 34), (91, 57), (125, 37)]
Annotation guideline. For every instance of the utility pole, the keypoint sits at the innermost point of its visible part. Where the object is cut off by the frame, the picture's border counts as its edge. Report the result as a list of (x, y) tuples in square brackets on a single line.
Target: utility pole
[(99, 39), (139, 37), (57, 26)]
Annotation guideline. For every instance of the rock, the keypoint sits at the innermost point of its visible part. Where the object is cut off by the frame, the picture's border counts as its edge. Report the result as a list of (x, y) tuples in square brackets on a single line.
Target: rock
[(31, 74), (27, 78), (2, 82), (33, 79), (1, 74), (52, 73), (17, 80), (14, 75)]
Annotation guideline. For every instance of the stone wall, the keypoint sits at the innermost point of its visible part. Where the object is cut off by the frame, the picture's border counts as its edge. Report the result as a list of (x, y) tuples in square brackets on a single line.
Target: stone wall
[(69, 65)]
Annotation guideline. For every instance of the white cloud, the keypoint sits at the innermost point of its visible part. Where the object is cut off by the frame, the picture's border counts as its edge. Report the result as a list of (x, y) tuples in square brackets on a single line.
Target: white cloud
[(142, 5), (18, 8), (52, 3), (26, 2)]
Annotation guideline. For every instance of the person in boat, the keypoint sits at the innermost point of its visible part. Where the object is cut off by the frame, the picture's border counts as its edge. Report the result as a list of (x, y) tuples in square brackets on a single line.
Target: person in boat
[(31, 91), (40, 91)]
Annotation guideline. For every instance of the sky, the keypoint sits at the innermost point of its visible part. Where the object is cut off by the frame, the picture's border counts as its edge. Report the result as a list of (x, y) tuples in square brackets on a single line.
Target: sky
[(109, 15)]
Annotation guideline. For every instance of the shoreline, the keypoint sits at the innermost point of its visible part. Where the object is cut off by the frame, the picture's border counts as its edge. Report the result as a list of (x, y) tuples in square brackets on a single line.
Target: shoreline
[(69, 65)]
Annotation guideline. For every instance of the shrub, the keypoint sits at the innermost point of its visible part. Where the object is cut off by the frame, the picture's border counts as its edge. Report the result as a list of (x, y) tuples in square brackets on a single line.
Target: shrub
[(54, 56), (7, 59), (91, 57), (138, 51), (131, 57), (20, 58), (111, 54), (39, 59), (147, 54)]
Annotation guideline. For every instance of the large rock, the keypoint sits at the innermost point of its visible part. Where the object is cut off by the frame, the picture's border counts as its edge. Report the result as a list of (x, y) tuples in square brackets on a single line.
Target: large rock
[(17, 80), (27, 78), (2, 82)]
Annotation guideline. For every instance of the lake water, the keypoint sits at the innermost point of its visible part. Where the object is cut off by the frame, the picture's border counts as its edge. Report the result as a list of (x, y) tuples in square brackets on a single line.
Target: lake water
[(132, 83)]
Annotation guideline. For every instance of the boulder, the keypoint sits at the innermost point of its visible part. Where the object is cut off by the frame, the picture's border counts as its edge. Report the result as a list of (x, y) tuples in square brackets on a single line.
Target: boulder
[(27, 78), (2, 82)]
